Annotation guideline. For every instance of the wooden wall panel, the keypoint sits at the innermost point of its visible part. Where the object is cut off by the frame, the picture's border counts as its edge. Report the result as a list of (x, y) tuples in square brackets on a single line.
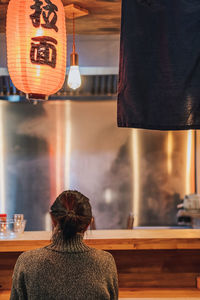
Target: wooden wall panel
[(157, 268), (137, 269), (7, 263)]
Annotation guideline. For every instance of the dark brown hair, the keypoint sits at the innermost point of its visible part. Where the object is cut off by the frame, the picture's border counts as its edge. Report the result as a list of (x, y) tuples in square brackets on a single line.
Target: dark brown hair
[(72, 210)]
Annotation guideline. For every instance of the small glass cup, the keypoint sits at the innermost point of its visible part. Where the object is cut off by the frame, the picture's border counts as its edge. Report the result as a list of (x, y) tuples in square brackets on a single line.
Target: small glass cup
[(18, 217), (19, 223), (7, 229), (19, 226)]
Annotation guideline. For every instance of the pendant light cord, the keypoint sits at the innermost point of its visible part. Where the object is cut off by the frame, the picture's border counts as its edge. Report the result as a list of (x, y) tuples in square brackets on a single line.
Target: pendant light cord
[(73, 34)]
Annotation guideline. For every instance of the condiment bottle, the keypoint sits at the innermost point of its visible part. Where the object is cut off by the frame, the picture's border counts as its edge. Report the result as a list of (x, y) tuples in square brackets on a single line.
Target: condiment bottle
[(3, 217)]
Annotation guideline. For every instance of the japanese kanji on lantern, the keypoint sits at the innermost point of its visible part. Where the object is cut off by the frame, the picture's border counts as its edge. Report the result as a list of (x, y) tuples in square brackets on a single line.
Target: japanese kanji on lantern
[(36, 46)]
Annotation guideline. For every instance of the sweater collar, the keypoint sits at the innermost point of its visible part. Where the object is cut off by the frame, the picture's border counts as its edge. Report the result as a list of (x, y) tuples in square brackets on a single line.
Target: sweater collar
[(73, 245)]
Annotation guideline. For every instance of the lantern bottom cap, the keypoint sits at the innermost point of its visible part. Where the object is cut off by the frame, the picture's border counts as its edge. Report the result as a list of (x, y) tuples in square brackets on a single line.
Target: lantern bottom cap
[(38, 97)]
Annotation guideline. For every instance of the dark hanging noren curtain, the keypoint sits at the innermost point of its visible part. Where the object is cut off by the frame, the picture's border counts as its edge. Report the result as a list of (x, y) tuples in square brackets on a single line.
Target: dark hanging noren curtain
[(159, 80)]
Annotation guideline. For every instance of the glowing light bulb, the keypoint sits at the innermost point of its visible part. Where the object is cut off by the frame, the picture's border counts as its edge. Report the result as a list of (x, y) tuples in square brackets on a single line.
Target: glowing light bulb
[(74, 77)]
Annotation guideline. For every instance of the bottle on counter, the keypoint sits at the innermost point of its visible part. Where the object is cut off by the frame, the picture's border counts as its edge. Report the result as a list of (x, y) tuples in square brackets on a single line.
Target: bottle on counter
[(3, 219)]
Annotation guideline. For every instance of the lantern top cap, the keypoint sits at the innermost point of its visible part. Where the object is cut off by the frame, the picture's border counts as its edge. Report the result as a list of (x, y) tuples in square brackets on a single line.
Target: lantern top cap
[(37, 97), (73, 11)]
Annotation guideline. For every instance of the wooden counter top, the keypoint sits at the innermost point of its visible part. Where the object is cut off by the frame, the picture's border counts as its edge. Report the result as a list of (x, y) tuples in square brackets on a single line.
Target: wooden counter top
[(162, 263), (138, 239)]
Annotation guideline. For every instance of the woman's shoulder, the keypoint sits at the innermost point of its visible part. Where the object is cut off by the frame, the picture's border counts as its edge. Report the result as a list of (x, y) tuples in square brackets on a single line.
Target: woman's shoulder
[(30, 253), (102, 255), (31, 256), (101, 261), (40, 256)]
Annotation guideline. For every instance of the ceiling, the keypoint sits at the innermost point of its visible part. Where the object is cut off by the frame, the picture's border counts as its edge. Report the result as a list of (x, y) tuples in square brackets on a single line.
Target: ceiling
[(104, 16)]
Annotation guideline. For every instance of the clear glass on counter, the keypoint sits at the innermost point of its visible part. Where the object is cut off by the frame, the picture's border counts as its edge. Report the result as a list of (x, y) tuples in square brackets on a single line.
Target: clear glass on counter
[(12, 228), (7, 229), (19, 223)]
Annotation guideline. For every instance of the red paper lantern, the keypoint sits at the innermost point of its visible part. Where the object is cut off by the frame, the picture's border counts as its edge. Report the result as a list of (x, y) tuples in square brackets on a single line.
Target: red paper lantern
[(36, 46)]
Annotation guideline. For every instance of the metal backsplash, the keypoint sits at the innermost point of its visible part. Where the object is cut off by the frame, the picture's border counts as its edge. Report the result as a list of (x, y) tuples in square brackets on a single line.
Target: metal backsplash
[(57, 145)]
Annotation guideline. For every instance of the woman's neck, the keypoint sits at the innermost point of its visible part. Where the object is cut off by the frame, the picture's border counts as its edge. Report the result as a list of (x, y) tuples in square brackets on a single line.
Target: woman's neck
[(72, 245)]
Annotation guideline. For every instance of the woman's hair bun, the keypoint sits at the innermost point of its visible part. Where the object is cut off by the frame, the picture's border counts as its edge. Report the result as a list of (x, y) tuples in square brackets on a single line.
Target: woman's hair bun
[(73, 213)]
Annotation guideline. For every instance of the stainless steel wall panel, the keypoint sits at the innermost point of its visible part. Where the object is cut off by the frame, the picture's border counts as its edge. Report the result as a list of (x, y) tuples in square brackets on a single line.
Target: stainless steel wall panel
[(57, 145), (164, 163)]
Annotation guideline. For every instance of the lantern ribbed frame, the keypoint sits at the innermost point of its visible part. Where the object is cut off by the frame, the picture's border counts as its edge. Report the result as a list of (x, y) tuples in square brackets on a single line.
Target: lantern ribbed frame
[(26, 76)]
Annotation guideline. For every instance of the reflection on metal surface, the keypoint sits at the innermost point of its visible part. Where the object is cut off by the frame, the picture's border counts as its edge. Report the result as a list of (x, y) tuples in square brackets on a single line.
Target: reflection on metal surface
[(68, 140), (161, 191), (48, 222), (169, 152), (136, 176), (189, 183), (58, 145), (2, 167), (108, 196), (100, 162), (197, 160), (58, 148)]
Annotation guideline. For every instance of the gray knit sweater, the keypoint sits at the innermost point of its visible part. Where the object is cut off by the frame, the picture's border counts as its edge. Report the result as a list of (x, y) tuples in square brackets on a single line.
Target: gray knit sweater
[(65, 271)]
